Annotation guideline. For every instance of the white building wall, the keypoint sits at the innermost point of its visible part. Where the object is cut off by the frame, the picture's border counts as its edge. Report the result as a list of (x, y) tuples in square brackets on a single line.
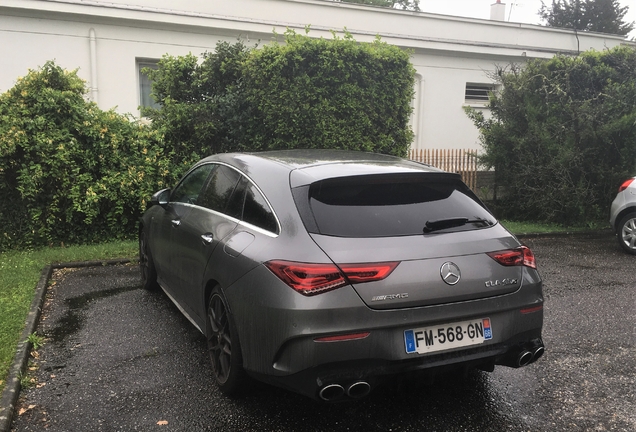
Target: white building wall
[(447, 51), (31, 42), (443, 122)]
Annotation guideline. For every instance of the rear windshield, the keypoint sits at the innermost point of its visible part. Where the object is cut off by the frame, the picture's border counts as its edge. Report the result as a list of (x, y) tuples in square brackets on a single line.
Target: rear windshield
[(393, 205)]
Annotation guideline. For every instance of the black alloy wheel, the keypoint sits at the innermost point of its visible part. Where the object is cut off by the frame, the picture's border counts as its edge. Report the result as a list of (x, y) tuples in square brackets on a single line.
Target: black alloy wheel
[(146, 265), (223, 346)]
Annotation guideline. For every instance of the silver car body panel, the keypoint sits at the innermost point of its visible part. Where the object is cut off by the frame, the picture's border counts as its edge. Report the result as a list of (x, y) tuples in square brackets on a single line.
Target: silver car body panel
[(421, 258), (278, 326), (287, 345)]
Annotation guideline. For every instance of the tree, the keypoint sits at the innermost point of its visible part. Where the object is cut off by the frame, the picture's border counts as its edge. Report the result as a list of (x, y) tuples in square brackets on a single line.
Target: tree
[(413, 5), (562, 135), (603, 16)]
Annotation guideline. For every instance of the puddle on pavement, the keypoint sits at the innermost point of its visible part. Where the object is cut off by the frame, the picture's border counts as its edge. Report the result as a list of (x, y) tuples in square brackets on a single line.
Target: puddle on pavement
[(72, 320)]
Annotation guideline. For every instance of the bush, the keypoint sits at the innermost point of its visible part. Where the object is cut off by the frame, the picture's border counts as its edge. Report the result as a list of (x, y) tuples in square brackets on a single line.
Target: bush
[(318, 93), (201, 111), (70, 172), (307, 93), (562, 136)]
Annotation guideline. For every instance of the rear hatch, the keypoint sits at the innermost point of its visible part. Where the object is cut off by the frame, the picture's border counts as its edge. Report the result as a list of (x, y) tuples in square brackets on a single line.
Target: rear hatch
[(431, 224)]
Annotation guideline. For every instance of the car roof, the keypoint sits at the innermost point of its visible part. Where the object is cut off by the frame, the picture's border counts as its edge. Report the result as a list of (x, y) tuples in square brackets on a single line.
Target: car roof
[(305, 166)]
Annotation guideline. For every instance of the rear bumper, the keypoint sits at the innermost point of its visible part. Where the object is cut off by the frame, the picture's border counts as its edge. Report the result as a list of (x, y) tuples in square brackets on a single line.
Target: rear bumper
[(313, 382), (278, 327)]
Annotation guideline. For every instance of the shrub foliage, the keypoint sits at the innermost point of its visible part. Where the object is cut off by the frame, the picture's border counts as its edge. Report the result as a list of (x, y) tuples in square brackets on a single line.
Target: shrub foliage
[(306, 93), (70, 172), (562, 135)]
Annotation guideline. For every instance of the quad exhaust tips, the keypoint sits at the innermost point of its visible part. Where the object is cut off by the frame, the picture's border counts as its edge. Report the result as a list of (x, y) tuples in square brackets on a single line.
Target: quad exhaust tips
[(333, 392), (520, 356), (530, 355)]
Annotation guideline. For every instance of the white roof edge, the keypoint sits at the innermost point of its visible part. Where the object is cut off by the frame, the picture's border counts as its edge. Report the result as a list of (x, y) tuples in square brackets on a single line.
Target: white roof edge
[(122, 11)]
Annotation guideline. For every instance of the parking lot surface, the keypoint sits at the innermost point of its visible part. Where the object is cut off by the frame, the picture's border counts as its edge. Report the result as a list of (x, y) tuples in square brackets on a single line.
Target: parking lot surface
[(119, 358)]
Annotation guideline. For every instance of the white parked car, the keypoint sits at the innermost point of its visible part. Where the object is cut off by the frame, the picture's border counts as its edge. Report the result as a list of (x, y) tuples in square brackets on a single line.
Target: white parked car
[(623, 215)]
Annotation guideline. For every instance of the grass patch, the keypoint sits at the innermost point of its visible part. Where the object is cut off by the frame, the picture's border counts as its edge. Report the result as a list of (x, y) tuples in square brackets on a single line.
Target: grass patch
[(19, 275), (519, 228)]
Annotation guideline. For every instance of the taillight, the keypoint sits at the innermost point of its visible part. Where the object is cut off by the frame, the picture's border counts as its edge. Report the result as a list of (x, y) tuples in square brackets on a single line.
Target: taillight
[(521, 256), (625, 184), (310, 279), (359, 273)]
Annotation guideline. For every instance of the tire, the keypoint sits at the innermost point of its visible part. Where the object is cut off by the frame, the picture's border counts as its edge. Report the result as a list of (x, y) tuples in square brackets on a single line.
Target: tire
[(626, 233), (223, 346), (146, 264)]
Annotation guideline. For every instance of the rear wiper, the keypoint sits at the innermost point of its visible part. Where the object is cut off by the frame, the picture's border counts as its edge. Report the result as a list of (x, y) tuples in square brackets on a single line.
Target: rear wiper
[(441, 224)]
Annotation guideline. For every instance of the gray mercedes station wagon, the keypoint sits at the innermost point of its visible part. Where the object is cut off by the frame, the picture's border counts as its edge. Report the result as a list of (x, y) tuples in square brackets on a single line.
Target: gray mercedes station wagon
[(328, 272)]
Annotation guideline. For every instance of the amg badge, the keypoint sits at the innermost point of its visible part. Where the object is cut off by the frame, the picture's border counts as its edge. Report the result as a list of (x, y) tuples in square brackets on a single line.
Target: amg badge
[(390, 297)]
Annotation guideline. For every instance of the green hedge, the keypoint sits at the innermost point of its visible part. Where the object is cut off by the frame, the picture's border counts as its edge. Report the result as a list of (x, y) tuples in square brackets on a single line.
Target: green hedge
[(70, 172), (305, 93), (562, 136), (319, 93)]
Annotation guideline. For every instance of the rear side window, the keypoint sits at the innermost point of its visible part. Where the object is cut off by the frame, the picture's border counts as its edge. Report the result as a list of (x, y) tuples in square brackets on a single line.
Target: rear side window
[(393, 205), (257, 211), (219, 189), (231, 193)]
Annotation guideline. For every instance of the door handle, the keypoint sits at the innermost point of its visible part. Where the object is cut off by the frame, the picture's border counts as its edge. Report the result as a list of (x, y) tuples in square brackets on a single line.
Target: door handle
[(175, 223), (207, 239)]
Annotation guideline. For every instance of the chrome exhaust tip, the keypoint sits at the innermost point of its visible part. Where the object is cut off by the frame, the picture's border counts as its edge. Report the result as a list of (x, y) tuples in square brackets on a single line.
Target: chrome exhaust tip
[(358, 389), (331, 392), (537, 352), (524, 358)]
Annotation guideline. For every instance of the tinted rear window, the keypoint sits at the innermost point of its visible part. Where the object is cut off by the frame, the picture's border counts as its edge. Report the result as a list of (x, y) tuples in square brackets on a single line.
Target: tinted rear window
[(392, 205)]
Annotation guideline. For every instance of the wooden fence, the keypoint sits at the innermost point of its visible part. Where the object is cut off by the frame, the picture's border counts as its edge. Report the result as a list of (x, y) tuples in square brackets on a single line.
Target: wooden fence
[(458, 161)]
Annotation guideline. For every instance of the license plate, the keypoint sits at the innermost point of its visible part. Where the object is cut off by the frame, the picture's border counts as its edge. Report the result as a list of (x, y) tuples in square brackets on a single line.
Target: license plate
[(437, 338)]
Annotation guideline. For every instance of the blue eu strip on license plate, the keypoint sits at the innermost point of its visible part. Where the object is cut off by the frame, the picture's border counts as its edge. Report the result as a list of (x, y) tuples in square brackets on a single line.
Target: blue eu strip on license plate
[(455, 335), (409, 338)]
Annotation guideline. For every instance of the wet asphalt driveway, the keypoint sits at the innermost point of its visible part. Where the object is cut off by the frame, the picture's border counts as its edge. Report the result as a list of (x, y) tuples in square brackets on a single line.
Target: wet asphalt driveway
[(121, 358)]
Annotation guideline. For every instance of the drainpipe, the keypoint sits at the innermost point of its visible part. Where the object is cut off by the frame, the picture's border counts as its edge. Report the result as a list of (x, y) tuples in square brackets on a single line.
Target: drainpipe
[(93, 53), (416, 116)]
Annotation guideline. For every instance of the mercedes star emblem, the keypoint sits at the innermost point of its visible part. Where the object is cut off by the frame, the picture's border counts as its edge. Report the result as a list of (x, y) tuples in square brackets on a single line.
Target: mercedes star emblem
[(450, 273)]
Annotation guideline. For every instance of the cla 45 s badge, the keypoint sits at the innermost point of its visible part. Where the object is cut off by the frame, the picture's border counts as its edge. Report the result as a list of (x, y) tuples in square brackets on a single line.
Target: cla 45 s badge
[(502, 282), (390, 297)]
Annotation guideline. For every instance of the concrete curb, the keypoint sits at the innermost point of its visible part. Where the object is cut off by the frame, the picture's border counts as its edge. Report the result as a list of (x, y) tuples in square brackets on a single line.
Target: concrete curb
[(11, 390)]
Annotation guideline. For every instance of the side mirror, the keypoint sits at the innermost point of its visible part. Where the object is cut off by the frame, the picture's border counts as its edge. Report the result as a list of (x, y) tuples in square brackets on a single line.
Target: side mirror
[(161, 198)]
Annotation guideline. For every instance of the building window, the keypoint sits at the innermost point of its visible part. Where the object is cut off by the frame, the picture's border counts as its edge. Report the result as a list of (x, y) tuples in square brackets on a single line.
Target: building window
[(145, 84), (477, 94)]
